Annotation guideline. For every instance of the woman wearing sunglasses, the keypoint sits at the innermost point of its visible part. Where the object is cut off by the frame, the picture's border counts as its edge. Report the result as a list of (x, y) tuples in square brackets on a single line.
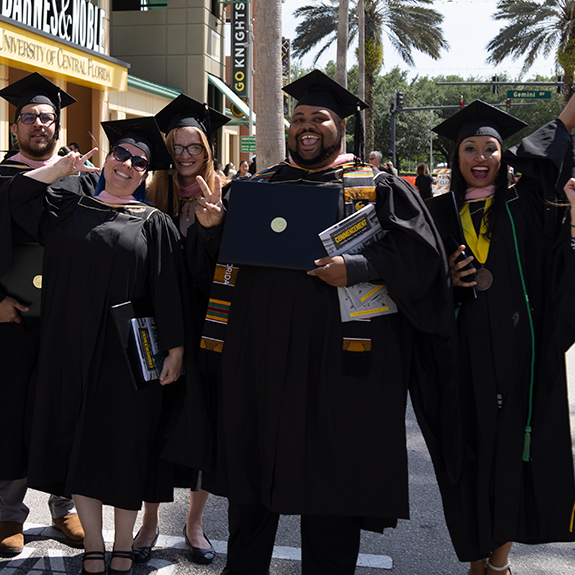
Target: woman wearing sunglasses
[(188, 125), (93, 433)]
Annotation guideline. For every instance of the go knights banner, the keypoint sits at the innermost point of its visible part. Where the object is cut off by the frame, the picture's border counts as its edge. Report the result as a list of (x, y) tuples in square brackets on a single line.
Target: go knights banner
[(61, 26)]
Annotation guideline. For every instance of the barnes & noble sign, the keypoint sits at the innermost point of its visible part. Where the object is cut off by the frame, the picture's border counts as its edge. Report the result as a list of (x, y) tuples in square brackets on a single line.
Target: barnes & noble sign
[(75, 21)]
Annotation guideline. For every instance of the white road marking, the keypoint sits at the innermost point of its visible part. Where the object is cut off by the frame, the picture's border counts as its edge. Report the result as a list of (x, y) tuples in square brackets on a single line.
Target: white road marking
[(56, 561)]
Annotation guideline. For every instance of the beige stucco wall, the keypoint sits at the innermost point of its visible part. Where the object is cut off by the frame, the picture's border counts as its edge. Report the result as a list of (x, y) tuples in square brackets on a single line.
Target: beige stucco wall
[(169, 47)]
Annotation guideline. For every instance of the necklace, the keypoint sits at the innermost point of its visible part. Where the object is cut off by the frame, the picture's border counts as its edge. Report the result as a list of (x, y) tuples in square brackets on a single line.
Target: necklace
[(188, 208)]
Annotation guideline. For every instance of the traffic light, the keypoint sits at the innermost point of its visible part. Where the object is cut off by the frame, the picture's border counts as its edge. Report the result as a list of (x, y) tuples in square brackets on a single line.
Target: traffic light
[(399, 97), (495, 87), (508, 104), (392, 104), (461, 103), (560, 86)]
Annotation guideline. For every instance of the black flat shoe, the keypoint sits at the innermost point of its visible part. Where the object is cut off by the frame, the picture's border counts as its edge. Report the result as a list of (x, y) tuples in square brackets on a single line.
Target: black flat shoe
[(122, 555), (200, 556), (144, 554), (93, 556)]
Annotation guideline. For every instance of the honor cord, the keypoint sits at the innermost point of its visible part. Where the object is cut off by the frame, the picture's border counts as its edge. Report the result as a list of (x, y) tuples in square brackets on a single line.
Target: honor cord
[(527, 441)]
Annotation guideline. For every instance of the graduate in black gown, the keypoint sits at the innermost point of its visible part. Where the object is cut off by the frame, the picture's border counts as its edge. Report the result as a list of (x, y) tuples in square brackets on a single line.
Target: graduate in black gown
[(38, 104), (311, 417), (517, 480), (100, 252), (189, 126)]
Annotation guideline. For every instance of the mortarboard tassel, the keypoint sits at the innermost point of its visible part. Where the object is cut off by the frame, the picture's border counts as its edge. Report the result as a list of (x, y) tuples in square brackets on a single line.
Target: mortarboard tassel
[(527, 444)]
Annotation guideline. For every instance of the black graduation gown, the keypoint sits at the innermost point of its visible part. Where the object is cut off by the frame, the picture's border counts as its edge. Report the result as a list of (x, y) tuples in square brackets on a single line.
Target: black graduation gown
[(92, 432), (499, 497), (18, 344), (294, 432)]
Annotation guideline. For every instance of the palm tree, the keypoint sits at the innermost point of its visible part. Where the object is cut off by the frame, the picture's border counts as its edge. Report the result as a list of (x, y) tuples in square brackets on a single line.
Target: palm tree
[(342, 42), (409, 24), (537, 27), (270, 137)]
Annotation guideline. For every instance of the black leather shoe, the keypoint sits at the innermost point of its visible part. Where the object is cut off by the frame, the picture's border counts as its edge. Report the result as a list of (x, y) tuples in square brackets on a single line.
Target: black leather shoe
[(201, 556), (122, 555), (93, 556), (144, 554)]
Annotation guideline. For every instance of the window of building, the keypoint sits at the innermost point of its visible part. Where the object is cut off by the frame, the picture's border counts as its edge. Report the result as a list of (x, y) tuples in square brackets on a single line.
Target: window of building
[(140, 5)]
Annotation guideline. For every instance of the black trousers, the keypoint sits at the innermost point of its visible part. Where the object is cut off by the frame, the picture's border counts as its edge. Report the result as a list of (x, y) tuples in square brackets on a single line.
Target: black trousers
[(330, 544)]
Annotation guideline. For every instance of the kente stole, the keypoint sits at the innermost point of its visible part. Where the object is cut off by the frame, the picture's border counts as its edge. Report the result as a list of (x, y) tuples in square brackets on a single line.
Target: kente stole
[(359, 190)]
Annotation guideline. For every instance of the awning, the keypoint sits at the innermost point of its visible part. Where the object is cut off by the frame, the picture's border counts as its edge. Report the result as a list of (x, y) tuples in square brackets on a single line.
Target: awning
[(234, 98), (153, 88)]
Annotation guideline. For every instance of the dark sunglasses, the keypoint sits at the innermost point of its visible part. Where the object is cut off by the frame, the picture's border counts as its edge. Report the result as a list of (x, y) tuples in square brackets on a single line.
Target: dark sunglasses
[(122, 155), (46, 118)]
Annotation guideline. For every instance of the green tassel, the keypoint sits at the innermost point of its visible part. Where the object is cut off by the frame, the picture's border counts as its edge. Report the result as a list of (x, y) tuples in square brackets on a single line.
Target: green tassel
[(527, 444)]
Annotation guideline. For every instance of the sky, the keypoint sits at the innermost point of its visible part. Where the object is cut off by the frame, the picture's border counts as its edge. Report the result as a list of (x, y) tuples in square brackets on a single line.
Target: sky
[(466, 56)]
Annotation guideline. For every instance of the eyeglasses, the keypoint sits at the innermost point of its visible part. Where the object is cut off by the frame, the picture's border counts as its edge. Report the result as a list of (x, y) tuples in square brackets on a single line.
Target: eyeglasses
[(192, 149), (46, 118), (122, 155)]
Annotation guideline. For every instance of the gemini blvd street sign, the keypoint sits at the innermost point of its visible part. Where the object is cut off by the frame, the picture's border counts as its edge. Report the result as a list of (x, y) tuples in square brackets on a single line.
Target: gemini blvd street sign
[(542, 95)]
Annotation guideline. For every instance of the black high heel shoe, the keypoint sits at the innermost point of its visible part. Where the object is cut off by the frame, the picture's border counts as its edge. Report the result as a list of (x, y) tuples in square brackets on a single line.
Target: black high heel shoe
[(121, 555), (93, 556), (200, 556), (144, 554)]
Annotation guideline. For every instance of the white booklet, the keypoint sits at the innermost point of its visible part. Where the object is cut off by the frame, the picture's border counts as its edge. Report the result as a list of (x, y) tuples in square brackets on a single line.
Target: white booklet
[(350, 236)]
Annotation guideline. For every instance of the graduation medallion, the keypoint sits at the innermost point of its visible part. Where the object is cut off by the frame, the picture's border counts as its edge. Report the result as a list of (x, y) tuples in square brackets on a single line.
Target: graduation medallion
[(484, 279)]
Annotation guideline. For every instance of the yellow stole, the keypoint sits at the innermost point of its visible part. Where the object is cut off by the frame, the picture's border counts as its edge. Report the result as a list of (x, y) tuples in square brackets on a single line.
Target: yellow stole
[(479, 244)]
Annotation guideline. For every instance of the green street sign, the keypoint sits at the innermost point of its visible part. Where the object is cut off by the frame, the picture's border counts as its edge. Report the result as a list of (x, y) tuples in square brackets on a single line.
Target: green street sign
[(248, 144), (539, 95)]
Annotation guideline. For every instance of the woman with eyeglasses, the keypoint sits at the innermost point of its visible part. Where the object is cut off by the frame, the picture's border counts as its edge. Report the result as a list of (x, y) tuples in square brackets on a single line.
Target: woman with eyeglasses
[(188, 125), (92, 432)]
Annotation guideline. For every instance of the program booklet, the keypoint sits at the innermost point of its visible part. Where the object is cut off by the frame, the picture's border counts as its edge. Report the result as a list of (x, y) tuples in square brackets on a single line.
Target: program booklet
[(350, 236), (146, 336)]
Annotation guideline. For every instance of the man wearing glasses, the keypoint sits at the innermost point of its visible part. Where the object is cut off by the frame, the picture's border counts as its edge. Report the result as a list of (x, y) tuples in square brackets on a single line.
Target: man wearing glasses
[(36, 126)]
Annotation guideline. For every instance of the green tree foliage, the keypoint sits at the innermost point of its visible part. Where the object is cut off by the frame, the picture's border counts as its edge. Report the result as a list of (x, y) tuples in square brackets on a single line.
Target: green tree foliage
[(536, 27), (408, 24), (413, 128)]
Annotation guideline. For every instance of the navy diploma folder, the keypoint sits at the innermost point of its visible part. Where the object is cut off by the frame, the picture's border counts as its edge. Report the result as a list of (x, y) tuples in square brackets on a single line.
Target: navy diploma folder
[(277, 225)]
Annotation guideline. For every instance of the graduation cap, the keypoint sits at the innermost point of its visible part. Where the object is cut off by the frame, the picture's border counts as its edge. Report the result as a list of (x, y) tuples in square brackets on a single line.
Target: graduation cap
[(317, 89), (36, 89), (144, 134), (479, 119), (186, 112)]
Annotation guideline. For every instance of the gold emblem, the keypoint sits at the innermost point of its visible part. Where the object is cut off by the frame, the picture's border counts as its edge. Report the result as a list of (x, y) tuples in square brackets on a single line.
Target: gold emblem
[(360, 204), (278, 225), (37, 281)]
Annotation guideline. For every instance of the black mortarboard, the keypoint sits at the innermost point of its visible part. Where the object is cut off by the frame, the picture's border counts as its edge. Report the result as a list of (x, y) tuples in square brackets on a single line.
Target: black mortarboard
[(144, 134), (317, 89), (36, 89), (187, 112), (479, 119)]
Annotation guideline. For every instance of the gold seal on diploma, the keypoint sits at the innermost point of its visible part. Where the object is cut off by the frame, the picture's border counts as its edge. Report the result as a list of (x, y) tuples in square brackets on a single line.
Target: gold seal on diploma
[(37, 281), (278, 225)]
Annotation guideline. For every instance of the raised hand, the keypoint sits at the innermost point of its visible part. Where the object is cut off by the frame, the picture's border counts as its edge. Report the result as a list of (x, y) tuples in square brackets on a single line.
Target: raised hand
[(209, 207)]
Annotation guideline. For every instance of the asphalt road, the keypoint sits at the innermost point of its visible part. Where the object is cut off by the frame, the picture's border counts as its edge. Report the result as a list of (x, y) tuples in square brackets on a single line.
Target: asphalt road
[(420, 546)]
